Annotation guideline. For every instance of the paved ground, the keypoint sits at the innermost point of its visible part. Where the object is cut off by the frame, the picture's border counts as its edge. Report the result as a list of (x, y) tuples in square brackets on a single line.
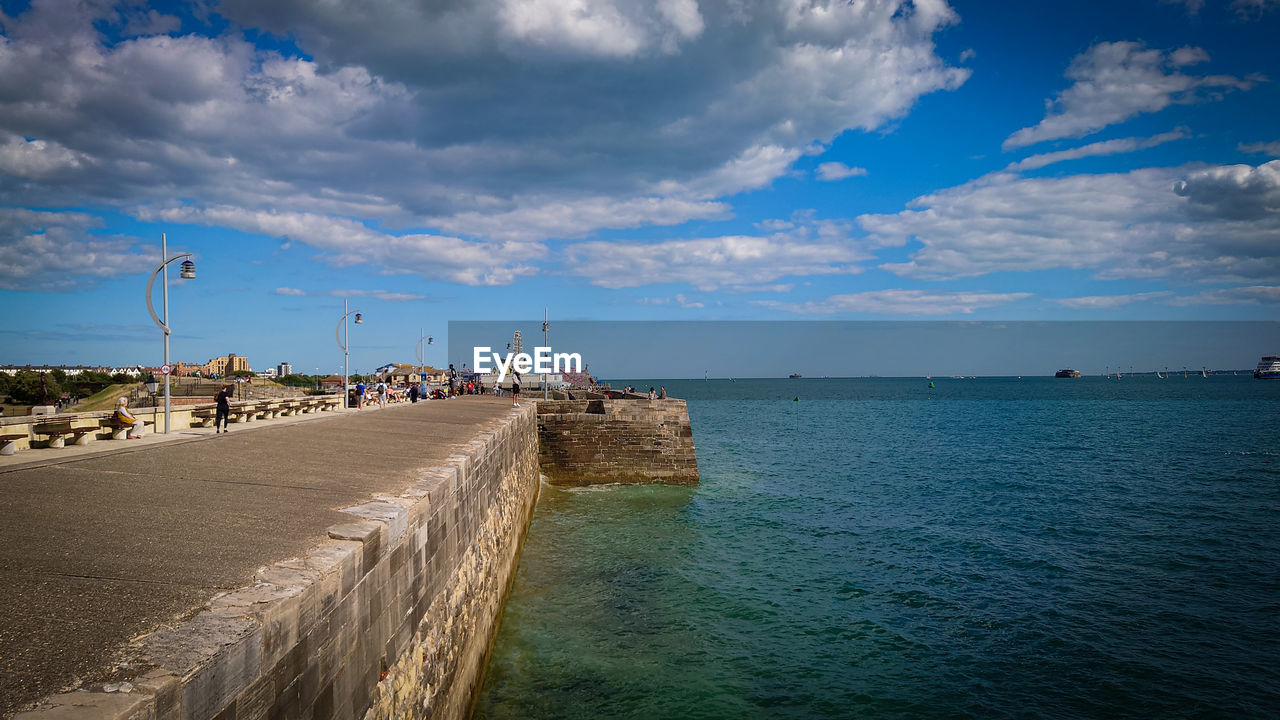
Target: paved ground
[(101, 543)]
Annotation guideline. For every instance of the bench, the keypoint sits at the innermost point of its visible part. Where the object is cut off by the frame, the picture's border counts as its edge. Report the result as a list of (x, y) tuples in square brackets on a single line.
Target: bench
[(57, 433), (264, 409), (7, 444), (120, 430)]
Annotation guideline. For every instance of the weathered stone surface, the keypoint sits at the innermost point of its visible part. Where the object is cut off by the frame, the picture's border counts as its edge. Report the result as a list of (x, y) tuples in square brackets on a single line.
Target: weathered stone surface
[(81, 705), (585, 442)]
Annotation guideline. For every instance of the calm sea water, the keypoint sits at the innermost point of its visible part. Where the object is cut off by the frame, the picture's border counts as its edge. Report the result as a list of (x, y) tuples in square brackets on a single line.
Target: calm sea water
[(990, 548)]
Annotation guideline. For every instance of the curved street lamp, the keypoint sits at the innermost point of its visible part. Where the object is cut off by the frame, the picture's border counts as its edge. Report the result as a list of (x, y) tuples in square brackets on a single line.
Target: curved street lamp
[(422, 357), (188, 273), (342, 334)]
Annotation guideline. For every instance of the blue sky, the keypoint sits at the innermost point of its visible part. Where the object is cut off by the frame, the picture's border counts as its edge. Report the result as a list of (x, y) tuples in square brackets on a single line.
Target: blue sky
[(610, 160)]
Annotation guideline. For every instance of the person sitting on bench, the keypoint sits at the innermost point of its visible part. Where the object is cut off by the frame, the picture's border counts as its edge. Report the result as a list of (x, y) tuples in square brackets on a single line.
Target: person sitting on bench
[(124, 417)]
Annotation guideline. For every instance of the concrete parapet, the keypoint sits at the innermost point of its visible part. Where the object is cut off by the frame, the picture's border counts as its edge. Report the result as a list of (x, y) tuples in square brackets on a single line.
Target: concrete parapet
[(391, 617), (586, 442)]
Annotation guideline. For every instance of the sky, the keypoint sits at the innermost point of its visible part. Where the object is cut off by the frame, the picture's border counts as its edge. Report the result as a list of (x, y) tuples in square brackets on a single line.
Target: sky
[(886, 348), (619, 160)]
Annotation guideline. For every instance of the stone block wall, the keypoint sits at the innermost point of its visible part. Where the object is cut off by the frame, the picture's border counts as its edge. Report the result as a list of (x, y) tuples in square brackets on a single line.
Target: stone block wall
[(586, 442), (390, 618)]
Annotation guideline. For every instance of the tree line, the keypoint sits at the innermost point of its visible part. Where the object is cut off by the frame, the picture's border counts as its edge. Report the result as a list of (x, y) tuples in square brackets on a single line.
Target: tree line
[(26, 387)]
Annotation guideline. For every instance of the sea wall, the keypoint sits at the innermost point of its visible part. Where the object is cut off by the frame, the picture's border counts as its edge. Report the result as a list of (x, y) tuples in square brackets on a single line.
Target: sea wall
[(390, 618), (586, 442)]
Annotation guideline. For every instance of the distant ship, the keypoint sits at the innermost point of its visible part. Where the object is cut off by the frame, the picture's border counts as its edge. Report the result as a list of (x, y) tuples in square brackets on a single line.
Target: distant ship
[(1268, 368), (795, 376), (1067, 373)]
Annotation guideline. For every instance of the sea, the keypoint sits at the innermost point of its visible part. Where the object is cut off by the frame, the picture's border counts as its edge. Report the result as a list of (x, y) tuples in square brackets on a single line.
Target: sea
[(879, 548)]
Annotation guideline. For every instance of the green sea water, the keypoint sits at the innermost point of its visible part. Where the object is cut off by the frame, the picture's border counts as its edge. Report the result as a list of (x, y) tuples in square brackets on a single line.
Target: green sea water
[(988, 548)]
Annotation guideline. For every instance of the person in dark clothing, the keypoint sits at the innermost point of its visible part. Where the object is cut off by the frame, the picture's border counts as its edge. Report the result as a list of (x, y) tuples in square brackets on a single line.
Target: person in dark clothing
[(224, 410)]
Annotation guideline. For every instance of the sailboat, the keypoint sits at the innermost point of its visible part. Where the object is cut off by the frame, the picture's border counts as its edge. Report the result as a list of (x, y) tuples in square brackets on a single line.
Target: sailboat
[(1159, 375), (1203, 374)]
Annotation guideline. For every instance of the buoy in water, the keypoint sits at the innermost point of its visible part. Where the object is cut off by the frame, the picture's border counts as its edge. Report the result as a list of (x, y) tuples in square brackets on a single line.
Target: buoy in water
[(797, 399), (930, 383)]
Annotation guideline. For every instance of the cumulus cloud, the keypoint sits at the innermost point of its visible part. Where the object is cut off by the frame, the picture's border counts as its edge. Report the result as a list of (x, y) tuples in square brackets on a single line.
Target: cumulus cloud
[(497, 120), (1107, 147), (898, 302), (1118, 80), (1104, 302), (1234, 192), (346, 243), (1193, 224), (1249, 295), (831, 171), (44, 251), (810, 248)]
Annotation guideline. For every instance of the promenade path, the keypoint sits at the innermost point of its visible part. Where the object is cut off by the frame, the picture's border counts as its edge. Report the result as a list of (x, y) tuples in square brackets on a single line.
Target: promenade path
[(102, 543)]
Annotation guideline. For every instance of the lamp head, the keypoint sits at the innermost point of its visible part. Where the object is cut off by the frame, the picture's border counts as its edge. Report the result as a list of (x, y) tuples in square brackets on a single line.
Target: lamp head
[(359, 320), (188, 270)]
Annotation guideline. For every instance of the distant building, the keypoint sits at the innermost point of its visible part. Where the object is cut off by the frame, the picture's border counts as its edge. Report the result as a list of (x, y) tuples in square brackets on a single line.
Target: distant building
[(268, 373), (221, 366), (333, 382), (284, 369)]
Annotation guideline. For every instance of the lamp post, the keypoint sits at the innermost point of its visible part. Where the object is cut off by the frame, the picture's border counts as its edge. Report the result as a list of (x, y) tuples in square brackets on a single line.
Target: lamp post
[(422, 357), (342, 334), (188, 273)]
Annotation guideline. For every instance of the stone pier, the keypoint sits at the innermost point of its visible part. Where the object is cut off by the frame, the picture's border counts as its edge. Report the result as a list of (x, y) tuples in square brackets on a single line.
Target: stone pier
[(587, 442), (351, 566)]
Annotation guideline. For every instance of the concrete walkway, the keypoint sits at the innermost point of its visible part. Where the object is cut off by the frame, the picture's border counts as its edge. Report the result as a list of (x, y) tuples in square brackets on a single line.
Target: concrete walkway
[(103, 542)]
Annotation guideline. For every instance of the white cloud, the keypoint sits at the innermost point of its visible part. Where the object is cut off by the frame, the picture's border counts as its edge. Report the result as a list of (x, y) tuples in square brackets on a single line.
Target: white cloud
[(831, 171), (345, 243), (1106, 147), (504, 120), (1251, 295), (44, 251), (542, 218), (680, 300), (711, 263), (1266, 148), (1220, 225), (898, 302), (384, 295), (1253, 9), (1103, 302), (1116, 81)]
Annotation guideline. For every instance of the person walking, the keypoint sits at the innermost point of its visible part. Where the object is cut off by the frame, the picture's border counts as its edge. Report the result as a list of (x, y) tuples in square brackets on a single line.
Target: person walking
[(360, 395), (124, 417), (382, 394), (515, 389), (223, 414)]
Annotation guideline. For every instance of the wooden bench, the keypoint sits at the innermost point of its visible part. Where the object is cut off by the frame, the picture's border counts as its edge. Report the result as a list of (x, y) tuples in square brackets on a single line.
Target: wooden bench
[(7, 444), (120, 430), (58, 431)]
